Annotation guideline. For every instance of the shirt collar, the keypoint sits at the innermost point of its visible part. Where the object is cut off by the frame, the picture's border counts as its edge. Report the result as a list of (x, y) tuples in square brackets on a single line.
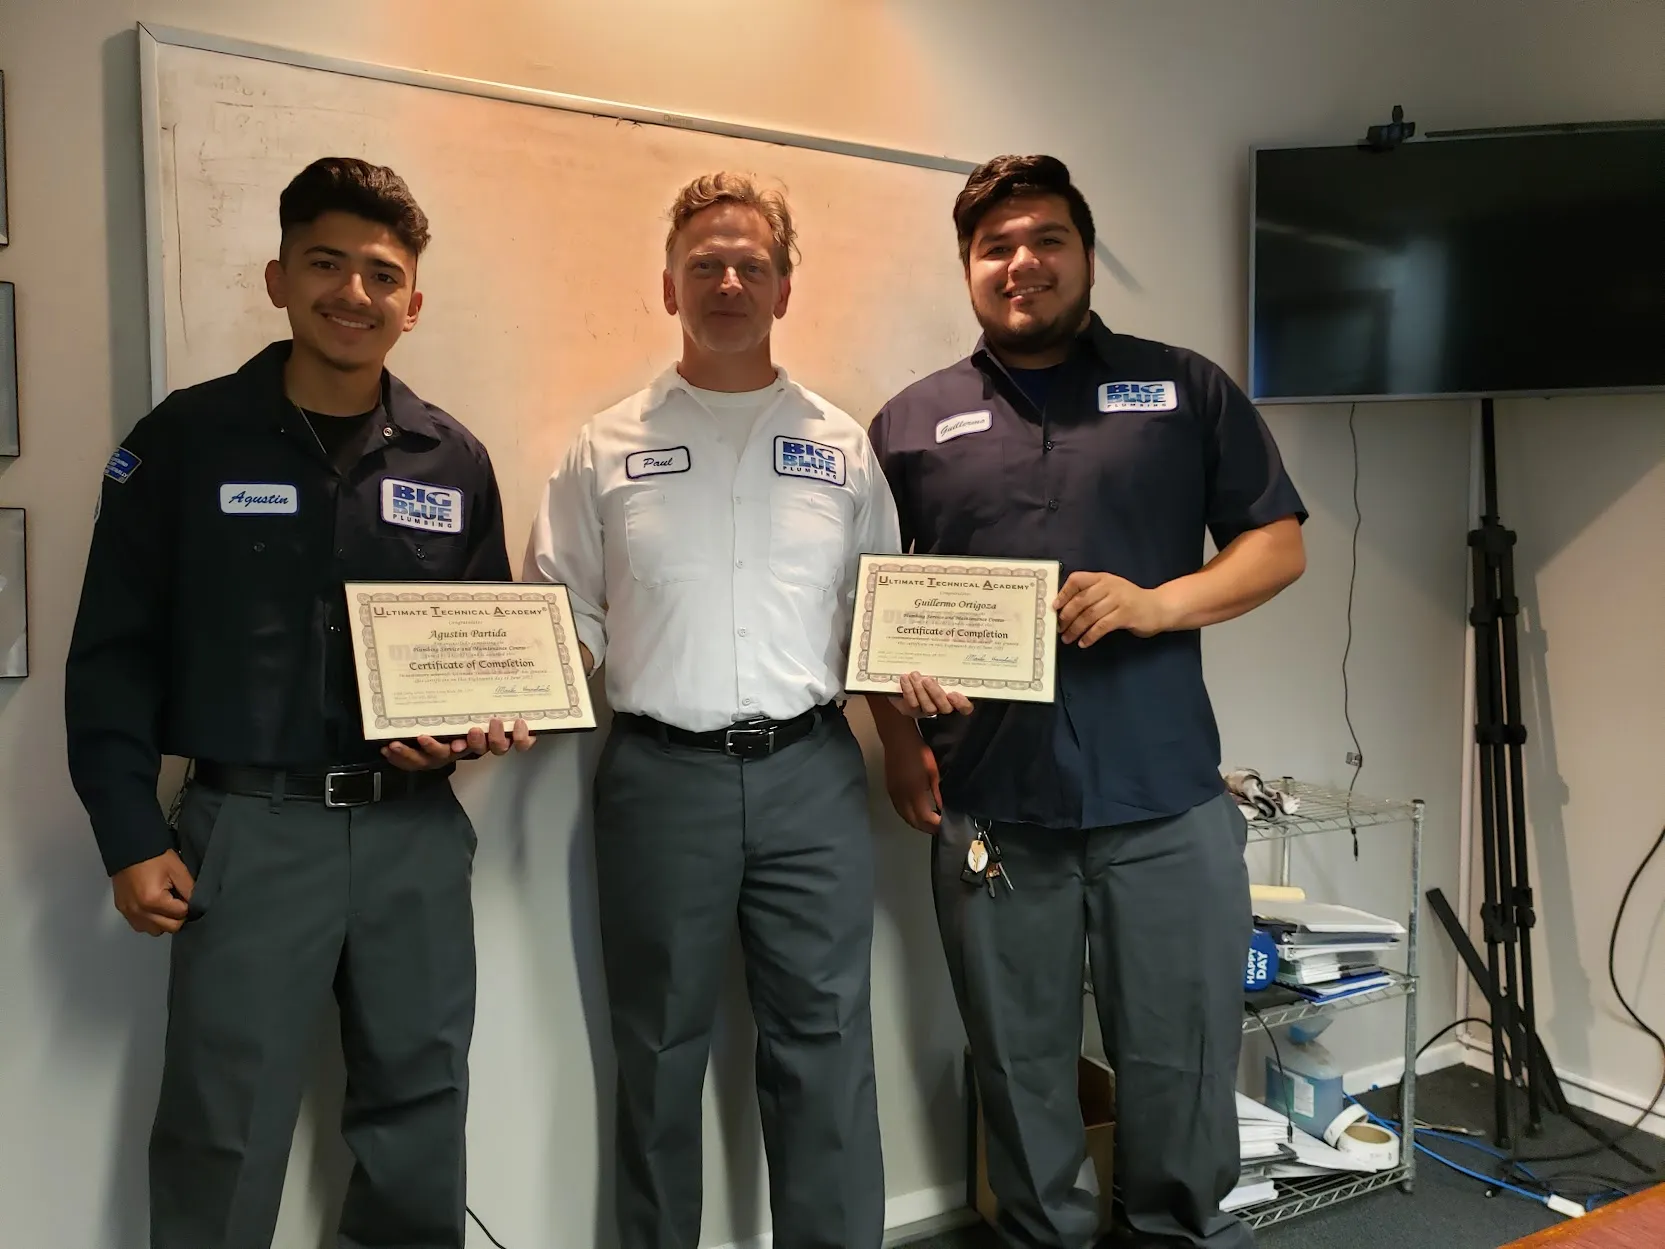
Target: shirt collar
[(671, 381), (1096, 338), (399, 404)]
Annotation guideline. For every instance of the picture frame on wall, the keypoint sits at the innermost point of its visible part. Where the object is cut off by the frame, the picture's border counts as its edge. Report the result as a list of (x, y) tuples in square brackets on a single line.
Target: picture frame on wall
[(5, 236), (10, 438), (14, 593)]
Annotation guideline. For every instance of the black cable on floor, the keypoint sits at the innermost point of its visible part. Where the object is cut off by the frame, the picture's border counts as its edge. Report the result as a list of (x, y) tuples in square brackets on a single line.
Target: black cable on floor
[(1606, 1143), (484, 1228)]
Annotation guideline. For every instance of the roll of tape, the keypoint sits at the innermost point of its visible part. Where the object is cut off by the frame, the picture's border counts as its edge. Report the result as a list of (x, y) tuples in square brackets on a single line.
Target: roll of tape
[(1375, 1147)]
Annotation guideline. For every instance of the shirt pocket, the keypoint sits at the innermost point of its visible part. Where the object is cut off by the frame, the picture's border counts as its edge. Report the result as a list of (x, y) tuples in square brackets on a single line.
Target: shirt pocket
[(807, 528), (663, 539), (408, 555)]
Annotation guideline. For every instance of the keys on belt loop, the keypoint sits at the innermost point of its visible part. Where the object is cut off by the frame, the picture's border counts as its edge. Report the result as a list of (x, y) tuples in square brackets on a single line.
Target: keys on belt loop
[(982, 858)]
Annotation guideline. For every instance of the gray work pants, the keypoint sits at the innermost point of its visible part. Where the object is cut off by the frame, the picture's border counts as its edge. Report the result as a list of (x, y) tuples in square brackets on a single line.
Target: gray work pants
[(294, 902), (690, 843), (1163, 909)]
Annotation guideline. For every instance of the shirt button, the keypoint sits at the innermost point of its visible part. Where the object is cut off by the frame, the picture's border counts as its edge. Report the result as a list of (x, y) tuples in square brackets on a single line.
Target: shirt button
[(748, 702), (387, 431), (739, 498), (741, 632), (1047, 446), (259, 547), (739, 563), (420, 554), (1052, 505)]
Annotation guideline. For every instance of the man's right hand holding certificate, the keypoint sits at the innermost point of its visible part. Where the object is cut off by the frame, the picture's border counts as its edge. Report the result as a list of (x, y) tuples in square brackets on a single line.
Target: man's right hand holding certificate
[(911, 777), (1087, 606)]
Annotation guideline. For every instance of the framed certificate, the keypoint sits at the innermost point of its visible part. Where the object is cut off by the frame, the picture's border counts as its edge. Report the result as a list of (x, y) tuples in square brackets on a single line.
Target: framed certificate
[(438, 658), (984, 627)]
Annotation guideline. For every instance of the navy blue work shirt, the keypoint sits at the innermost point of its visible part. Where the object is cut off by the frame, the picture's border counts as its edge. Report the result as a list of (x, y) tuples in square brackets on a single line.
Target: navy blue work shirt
[(212, 622), (1138, 449)]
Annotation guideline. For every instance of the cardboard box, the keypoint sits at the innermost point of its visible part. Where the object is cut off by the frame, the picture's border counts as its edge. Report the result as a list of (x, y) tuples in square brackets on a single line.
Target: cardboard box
[(1096, 1086)]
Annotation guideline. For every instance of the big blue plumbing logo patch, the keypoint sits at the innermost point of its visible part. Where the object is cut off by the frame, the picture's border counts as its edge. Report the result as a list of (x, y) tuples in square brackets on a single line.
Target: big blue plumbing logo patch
[(263, 498), (1138, 397), (417, 505), (799, 457)]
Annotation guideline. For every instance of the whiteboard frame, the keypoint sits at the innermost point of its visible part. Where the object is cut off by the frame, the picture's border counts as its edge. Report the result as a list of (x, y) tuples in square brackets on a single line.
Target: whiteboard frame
[(151, 39)]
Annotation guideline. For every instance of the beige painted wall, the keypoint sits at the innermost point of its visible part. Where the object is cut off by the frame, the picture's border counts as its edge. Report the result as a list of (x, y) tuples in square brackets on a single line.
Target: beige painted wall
[(1154, 104)]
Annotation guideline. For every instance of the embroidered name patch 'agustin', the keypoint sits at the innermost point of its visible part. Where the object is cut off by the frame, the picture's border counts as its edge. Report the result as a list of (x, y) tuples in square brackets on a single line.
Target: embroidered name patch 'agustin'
[(799, 457), (963, 424), (262, 498), (417, 505), (641, 464), (1138, 397)]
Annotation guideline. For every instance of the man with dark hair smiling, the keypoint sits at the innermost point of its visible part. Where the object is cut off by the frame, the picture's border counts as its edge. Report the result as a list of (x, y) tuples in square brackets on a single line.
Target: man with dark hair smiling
[(1060, 439), (304, 859)]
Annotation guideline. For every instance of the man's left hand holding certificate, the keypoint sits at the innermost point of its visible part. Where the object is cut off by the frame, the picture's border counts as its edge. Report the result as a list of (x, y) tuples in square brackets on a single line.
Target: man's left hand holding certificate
[(437, 661)]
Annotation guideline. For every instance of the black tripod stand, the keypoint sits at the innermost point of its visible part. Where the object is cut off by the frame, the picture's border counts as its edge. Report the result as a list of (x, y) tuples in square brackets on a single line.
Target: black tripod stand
[(1507, 917)]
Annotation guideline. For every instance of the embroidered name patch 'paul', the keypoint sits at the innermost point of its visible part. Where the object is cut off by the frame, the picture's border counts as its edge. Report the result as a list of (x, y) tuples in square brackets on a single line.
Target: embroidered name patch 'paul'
[(1138, 397), (641, 464), (261, 498), (964, 423), (417, 505), (799, 457)]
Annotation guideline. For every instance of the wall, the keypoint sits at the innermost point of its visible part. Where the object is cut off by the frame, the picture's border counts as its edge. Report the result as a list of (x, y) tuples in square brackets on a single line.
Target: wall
[(1154, 105)]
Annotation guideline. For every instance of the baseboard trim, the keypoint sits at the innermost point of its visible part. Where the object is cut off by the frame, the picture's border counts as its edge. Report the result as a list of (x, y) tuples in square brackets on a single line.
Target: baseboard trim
[(910, 1216), (1362, 1080), (1616, 1104)]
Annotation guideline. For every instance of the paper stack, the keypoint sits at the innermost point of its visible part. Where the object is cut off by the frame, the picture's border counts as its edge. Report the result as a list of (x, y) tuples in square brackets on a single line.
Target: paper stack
[(1327, 952)]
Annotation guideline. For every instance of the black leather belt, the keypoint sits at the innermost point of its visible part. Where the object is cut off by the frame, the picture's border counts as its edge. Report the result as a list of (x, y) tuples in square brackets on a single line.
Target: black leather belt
[(334, 787), (745, 739)]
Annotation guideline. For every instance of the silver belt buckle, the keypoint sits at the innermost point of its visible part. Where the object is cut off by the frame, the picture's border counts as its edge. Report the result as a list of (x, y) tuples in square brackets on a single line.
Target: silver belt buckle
[(729, 740), (329, 789)]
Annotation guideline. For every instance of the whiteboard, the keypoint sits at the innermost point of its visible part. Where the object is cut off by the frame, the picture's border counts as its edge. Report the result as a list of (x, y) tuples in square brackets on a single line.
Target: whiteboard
[(541, 287), (543, 306)]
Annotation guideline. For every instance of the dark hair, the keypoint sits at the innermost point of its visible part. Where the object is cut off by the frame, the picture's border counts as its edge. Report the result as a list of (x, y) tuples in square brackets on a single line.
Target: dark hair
[(1008, 177), (349, 185)]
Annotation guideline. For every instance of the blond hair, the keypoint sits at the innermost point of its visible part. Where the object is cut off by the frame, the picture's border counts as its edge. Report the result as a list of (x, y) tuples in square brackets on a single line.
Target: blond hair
[(723, 187)]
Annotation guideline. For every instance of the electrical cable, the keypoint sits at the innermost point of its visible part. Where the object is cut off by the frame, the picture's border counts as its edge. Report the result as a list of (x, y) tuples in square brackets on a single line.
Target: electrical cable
[(1607, 1143), (1352, 585), (1288, 1086), (1561, 1205), (483, 1227)]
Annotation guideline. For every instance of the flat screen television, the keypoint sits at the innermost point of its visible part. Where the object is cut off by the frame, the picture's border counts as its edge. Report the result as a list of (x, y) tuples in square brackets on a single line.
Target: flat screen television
[(1484, 265)]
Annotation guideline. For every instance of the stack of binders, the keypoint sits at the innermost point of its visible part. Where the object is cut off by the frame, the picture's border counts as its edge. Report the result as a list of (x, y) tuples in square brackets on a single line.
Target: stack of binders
[(1328, 952)]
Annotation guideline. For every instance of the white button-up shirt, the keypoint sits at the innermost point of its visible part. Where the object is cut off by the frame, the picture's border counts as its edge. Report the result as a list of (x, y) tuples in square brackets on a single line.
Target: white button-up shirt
[(718, 586)]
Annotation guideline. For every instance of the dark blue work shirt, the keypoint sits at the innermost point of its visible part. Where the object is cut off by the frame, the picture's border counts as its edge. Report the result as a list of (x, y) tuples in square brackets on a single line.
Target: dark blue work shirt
[(212, 622), (1139, 449)]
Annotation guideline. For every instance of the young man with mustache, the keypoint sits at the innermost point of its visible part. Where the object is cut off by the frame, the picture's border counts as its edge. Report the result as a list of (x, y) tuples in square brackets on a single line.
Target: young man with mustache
[(708, 529), (305, 860), (1059, 438)]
